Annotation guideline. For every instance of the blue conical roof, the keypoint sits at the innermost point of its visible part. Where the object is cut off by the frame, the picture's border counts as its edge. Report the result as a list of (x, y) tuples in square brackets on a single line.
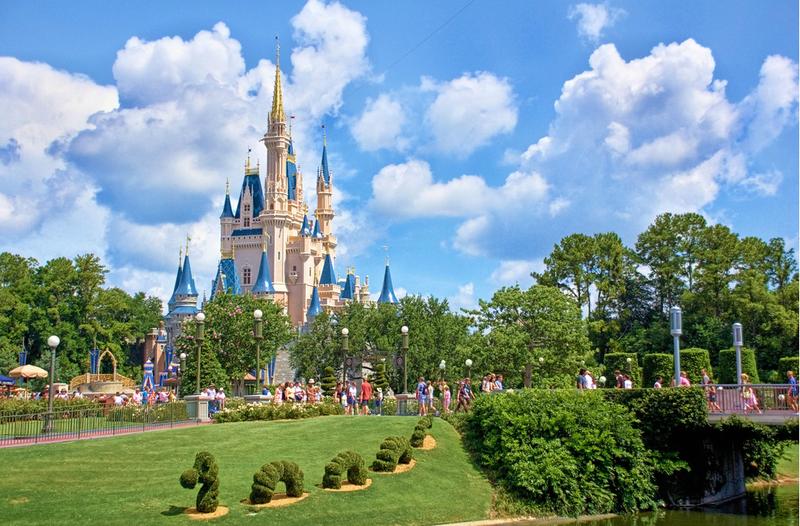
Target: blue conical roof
[(305, 230), (328, 276), (326, 174), (387, 292), (291, 173), (317, 232), (253, 181), (349, 290), (227, 210), (263, 284), (177, 282), (227, 278), (186, 284), (314, 308)]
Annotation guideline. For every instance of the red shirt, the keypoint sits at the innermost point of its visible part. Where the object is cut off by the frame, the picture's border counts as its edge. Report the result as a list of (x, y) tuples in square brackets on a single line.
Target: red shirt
[(366, 391)]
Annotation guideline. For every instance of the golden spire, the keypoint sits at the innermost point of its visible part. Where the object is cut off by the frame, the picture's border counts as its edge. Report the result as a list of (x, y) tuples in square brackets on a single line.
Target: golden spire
[(227, 186), (180, 258), (247, 162), (188, 240), (277, 114)]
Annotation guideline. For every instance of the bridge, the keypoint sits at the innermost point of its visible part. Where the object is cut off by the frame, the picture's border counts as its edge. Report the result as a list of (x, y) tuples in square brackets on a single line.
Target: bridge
[(770, 404)]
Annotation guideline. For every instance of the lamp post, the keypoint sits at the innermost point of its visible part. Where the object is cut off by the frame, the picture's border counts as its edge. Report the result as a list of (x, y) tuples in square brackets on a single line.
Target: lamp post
[(675, 330), (404, 332), (199, 335), (468, 363), (181, 371), (258, 334), (52, 342), (738, 341), (345, 350)]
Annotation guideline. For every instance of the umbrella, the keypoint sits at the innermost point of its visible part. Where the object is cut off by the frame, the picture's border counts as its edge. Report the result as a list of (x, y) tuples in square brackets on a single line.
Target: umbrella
[(5, 380), (27, 372)]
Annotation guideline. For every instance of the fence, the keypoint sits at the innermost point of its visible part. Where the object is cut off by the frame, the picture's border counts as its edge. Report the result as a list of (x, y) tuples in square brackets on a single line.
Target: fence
[(736, 398), (88, 422)]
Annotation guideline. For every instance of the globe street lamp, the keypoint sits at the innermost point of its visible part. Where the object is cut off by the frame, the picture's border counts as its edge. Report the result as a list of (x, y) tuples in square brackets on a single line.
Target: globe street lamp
[(181, 371), (738, 341), (52, 342), (258, 334), (200, 318), (404, 332), (468, 363), (675, 330), (345, 350)]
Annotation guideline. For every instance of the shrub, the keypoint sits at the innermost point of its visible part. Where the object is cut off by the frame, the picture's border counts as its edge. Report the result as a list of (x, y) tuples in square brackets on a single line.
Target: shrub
[(618, 361), (267, 477), (565, 452), (393, 450), (655, 365), (15, 407), (693, 361), (419, 434), (293, 411), (204, 471), (761, 445), (328, 381), (380, 379), (348, 462), (148, 414), (788, 363), (726, 368)]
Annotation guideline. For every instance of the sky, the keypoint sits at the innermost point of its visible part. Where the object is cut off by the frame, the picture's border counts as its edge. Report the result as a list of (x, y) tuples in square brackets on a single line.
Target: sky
[(466, 137)]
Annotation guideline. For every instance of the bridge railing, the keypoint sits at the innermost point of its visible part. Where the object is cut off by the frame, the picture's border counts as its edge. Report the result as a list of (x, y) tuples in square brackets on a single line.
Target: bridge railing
[(752, 398)]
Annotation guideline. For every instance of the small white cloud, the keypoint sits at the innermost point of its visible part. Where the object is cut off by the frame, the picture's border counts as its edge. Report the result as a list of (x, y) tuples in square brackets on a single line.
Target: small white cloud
[(763, 183), (594, 18), (380, 125), (469, 111), (516, 271), (464, 298)]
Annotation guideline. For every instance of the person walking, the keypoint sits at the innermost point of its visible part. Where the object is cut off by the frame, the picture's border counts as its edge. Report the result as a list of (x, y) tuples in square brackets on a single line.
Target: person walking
[(446, 399), (351, 399), (421, 398), (791, 393), (366, 395)]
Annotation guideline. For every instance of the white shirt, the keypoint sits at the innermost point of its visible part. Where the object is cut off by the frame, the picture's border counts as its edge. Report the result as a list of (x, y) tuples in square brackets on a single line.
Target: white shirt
[(627, 384)]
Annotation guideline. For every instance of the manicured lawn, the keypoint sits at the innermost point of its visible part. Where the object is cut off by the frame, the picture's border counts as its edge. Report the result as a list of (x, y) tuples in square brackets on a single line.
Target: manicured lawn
[(134, 479)]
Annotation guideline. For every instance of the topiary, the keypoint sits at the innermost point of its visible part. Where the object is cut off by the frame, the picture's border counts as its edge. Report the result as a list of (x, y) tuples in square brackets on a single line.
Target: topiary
[(204, 471), (348, 462), (726, 368), (788, 363), (618, 361), (380, 380), (393, 450), (693, 361), (418, 436), (329, 381), (655, 365), (267, 477)]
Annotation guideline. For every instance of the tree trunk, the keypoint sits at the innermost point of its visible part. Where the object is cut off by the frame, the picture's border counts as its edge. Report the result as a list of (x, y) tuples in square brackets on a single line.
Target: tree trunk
[(528, 374)]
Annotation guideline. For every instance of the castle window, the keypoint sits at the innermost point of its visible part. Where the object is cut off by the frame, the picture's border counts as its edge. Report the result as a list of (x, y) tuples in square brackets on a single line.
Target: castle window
[(246, 222), (246, 275), (247, 210), (294, 268)]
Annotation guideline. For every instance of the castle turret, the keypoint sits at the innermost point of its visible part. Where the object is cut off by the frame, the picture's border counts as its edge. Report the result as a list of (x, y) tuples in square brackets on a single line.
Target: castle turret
[(263, 285), (387, 292), (328, 276), (325, 192), (314, 307)]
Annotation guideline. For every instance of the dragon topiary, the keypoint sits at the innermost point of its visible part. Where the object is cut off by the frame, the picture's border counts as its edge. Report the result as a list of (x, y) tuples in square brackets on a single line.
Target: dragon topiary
[(205, 471)]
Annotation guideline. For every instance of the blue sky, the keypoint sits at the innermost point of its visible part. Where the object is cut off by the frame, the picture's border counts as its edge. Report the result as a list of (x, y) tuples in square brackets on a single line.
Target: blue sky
[(469, 137)]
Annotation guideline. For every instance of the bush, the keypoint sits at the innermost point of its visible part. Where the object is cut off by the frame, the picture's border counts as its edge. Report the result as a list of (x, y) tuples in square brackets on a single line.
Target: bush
[(267, 477), (565, 452), (726, 368), (15, 407), (148, 414), (789, 363), (287, 411), (204, 471), (393, 450), (380, 380), (328, 381), (655, 365), (419, 434), (693, 361), (348, 462), (761, 445), (618, 361)]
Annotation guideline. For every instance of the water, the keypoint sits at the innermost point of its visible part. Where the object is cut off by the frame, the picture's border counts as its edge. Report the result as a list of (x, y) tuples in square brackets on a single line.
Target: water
[(770, 506)]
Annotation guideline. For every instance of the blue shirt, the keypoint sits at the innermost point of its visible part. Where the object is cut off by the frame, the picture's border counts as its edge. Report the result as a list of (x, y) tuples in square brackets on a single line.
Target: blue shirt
[(793, 383), (421, 387)]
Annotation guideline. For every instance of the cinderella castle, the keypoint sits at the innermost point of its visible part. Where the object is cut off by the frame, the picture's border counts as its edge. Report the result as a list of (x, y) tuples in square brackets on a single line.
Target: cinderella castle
[(270, 246)]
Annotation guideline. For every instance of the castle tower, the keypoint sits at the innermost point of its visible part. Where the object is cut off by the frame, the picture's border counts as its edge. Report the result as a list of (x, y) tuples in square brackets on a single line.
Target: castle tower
[(183, 304), (263, 285), (387, 292), (324, 211)]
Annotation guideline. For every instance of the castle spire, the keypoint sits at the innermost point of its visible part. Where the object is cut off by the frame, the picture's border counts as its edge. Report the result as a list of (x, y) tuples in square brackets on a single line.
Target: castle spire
[(387, 292), (328, 275), (277, 114), (227, 209), (263, 284)]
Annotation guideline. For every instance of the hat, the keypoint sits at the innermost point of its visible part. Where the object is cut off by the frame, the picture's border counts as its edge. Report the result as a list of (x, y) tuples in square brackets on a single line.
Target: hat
[(380, 390), (311, 381)]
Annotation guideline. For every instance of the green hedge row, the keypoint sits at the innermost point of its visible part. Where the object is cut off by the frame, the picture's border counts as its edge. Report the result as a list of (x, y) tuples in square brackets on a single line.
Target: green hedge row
[(250, 412), (693, 361), (726, 369), (618, 361), (789, 363)]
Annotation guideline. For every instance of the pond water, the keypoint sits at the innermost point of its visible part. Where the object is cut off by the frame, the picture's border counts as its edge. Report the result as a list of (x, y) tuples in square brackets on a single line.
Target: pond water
[(770, 506)]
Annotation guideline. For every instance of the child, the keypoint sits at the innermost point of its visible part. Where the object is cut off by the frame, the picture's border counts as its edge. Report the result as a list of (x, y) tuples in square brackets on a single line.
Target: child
[(446, 399), (379, 401)]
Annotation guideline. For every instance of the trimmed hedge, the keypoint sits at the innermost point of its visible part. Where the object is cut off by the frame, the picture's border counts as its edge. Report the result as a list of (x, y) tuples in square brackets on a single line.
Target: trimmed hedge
[(420, 431), (655, 365), (348, 462), (286, 411), (789, 363), (15, 407), (618, 361), (204, 471), (567, 452), (726, 369), (267, 477), (693, 360), (393, 450)]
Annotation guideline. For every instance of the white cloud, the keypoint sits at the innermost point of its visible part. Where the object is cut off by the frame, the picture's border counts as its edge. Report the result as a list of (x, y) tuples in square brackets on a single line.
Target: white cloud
[(469, 111), (380, 125), (464, 298), (516, 271), (772, 106), (594, 18)]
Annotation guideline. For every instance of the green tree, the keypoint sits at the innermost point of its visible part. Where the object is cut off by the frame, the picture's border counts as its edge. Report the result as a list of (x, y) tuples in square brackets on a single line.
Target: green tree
[(570, 267)]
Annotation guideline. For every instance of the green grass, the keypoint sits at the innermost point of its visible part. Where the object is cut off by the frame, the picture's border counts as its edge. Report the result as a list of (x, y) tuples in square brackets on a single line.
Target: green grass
[(134, 479), (788, 466)]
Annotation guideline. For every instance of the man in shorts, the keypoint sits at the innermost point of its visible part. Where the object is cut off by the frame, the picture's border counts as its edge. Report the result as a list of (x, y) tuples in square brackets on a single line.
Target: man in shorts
[(366, 396)]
